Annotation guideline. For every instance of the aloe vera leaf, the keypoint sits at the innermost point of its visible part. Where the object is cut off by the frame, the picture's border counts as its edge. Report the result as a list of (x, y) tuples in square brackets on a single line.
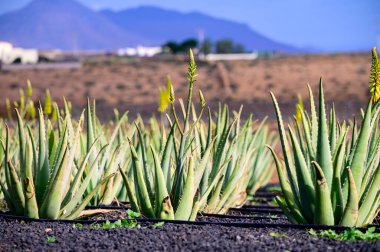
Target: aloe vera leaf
[(16, 189), (350, 154), (141, 189), (8, 198), (341, 140), (52, 201), (7, 191), (111, 140), (72, 201), (131, 196), (359, 158), (202, 166), (324, 158), (185, 205), (195, 210), (307, 197), (301, 141), (336, 190), (178, 176), (161, 192), (146, 170), (108, 191), (286, 152), (43, 170), (286, 190), (209, 128), (284, 207), (214, 196), (165, 161), (60, 151), (307, 135), (350, 215), (323, 209), (200, 202), (234, 181), (332, 129), (73, 190), (90, 137), (354, 137), (31, 208), (314, 119), (179, 179), (34, 150), (369, 198), (372, 163), (373, 212), (89, 126), (21, 137), (77, 211), (237, 198), (52, 145), (231, 152), (221, 148)]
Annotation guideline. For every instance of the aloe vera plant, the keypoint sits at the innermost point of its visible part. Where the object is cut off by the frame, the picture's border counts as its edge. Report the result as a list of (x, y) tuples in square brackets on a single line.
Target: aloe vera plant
[(196, 166), (43, 176), (328, 177), (149, 186)]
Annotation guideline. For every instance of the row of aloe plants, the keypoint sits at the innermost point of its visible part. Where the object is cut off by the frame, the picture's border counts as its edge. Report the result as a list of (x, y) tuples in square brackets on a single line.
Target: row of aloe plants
[(329, 175), (53, 166)]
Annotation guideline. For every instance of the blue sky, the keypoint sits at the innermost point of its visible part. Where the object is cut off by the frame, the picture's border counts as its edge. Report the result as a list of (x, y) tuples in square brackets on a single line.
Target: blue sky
[(330, 25)]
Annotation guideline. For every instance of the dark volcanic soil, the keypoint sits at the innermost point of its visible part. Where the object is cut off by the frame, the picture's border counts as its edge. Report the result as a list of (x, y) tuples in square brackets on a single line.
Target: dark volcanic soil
[(21, 236)]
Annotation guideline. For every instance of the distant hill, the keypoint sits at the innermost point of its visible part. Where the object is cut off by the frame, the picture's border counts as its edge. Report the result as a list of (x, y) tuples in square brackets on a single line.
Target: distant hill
[(160, 25), (69, 25), (62, 24)]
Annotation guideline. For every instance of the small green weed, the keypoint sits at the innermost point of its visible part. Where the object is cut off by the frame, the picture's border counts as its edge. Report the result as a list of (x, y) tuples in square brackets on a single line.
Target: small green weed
[(277, 234), (130, 222), (132, 215), (158, 224), (51, 239), (352, 234)]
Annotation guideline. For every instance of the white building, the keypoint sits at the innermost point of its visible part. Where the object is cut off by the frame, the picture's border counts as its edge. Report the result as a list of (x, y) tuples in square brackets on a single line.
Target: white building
[(139, 51), (10, 54), (229, 56)]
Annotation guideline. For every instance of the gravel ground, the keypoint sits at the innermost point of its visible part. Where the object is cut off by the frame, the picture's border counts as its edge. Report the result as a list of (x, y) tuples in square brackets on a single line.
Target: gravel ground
[(32, 236)]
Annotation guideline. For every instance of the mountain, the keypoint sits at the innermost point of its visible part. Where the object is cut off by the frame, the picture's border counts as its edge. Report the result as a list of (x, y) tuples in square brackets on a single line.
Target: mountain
[(162, 25), (62, 24), (69, 25)]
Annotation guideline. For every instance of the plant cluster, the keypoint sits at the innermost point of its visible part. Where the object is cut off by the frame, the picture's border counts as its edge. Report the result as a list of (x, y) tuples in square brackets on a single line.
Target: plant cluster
[(197, 166), (331, 169), (53, 166)]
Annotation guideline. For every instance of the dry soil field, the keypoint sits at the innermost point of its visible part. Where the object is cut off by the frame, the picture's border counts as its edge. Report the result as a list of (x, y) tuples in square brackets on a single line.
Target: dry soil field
[(133, 84)]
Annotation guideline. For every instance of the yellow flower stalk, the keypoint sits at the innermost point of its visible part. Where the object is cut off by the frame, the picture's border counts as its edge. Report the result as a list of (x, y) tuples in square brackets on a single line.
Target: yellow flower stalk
[(22, 100), (299, 108), (8, 107), (48, 104), (374, 80), (164, 98), (54, 114), (29, 89), (31, 110)]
